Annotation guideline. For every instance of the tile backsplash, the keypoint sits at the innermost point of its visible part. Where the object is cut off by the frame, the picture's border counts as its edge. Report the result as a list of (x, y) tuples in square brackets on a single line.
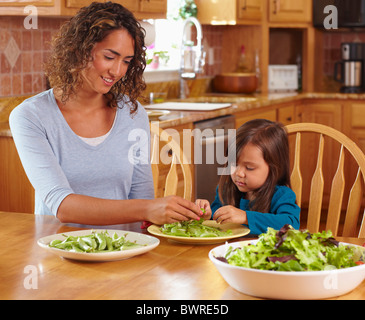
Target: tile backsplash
[(22, 53), (332, 47)]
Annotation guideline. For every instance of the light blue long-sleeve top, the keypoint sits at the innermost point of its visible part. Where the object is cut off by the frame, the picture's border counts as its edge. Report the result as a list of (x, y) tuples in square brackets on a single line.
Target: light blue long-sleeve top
[(58, 163), (283, 210)]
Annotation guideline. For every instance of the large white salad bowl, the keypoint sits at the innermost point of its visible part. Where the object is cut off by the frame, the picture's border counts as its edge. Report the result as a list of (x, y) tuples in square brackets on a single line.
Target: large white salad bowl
[(287, 285)]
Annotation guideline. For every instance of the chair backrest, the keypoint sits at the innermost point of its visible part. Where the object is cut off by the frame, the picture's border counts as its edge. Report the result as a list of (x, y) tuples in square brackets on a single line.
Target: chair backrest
[(178, 167), (348, 218)]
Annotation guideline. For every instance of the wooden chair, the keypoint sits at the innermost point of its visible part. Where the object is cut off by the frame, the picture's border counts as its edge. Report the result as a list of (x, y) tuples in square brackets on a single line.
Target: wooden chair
[(179, 166), (340, 181)]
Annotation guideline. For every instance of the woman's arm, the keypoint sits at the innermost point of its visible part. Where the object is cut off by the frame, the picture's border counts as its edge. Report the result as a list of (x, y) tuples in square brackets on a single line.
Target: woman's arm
[(94, 211), (53, 188)]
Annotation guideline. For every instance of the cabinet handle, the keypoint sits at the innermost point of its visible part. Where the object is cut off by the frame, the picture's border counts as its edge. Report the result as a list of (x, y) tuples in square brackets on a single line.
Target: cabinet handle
[(244, 7), (276, 6)]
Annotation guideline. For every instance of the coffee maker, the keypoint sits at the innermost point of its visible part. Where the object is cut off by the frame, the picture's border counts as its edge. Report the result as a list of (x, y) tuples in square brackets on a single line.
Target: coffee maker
[(350, 70)]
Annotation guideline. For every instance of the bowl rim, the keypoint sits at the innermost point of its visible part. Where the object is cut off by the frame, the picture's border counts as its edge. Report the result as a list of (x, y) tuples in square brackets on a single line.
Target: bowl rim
[(214, 260)]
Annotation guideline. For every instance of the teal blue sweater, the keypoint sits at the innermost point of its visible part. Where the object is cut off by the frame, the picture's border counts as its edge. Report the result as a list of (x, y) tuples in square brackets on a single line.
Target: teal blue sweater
[(283, 211)]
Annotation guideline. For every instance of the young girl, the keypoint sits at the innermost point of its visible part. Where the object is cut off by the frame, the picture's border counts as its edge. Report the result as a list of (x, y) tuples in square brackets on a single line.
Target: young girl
[(257, 192)]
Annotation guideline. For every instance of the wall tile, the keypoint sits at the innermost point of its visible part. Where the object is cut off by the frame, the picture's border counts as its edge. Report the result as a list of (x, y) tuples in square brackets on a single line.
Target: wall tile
[(24, 75)]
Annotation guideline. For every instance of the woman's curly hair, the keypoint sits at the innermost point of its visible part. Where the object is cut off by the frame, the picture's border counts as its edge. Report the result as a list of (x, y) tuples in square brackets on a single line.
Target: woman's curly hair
[(74, 42)]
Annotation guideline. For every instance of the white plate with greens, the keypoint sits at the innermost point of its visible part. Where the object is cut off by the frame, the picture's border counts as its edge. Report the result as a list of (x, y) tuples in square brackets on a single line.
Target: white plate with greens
[(122, 244), (228, 231)]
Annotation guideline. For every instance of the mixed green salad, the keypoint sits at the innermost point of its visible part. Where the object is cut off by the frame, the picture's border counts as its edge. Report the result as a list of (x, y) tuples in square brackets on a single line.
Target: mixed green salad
[(96, 242), (294, 250), (193, 228)]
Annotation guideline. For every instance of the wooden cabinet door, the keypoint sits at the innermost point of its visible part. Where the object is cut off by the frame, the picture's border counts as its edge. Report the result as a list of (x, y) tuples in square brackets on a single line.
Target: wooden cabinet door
[(77, 3), (290, 11), (11, 3), (243, 117), (249, 9), (155, 6), (132, 5), (16, 192)]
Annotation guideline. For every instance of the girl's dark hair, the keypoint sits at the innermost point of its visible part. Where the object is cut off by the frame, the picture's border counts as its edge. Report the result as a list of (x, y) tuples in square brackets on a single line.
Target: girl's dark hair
[(272, 139), (74, 42)]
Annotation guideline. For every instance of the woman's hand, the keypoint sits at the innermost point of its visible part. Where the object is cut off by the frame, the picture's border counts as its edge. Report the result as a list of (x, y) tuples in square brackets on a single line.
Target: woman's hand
[(204, 206), (230, 214), (172, 209)]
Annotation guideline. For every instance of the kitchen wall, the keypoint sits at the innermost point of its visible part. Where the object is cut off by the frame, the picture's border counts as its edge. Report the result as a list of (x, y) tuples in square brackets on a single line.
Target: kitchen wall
[(332, 47), (22, 53)]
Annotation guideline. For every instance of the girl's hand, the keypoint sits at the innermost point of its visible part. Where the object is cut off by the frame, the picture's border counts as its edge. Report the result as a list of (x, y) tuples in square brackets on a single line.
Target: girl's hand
[(230, 214), (205, 208)]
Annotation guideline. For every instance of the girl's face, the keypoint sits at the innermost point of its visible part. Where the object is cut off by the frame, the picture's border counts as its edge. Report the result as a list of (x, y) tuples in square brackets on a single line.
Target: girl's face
[(110, 60), (251, 171)]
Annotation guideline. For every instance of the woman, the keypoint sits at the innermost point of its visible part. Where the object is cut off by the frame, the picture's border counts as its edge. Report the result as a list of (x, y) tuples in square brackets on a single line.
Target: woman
[(74, 140), (257, 193)]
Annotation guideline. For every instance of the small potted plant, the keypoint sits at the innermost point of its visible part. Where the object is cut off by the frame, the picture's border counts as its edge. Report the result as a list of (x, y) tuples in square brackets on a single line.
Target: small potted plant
[(157, 58)]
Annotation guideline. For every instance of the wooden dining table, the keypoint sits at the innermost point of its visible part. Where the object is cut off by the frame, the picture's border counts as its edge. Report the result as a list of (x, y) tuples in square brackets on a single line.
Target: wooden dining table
[(171, 271)]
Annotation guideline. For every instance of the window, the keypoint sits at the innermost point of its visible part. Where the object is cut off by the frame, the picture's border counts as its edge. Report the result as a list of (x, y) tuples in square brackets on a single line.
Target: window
[(168, 37)]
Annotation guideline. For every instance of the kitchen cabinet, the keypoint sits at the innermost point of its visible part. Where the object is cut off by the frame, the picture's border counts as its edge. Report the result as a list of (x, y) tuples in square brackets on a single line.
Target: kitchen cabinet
[(250, 10), (142, 9), (155, 6), (290, 11), (243, 117), (16, 192), (252, 22), (230, 12), (50, 8), (146, 9)]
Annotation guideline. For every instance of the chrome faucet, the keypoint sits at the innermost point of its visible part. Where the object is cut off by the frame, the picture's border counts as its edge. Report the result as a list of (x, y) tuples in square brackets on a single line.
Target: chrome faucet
[(192, 57)]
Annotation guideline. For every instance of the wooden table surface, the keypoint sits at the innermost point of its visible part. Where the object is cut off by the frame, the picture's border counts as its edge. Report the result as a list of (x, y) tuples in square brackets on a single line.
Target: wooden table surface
[(169, 272)]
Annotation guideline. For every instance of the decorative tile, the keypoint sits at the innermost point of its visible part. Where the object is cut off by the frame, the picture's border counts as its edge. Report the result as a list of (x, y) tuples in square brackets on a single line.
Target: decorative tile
[(12, 52)]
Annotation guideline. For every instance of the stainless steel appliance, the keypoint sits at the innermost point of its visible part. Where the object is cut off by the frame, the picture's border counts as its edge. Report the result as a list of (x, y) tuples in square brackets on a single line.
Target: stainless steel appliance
[(210, 135), (350, 70)]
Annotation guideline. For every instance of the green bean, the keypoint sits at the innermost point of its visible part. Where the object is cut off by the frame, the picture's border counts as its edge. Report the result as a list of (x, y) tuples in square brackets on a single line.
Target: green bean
[(82, 244), (55, 242), (95, 242), (101, 240)]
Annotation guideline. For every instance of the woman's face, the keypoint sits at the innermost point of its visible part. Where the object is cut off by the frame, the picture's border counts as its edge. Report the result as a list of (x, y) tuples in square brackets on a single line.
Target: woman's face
[(110, 60), (251, 171)]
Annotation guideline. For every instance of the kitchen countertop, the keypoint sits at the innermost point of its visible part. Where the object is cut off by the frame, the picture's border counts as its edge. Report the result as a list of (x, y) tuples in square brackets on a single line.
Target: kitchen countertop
[(175, 118)]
